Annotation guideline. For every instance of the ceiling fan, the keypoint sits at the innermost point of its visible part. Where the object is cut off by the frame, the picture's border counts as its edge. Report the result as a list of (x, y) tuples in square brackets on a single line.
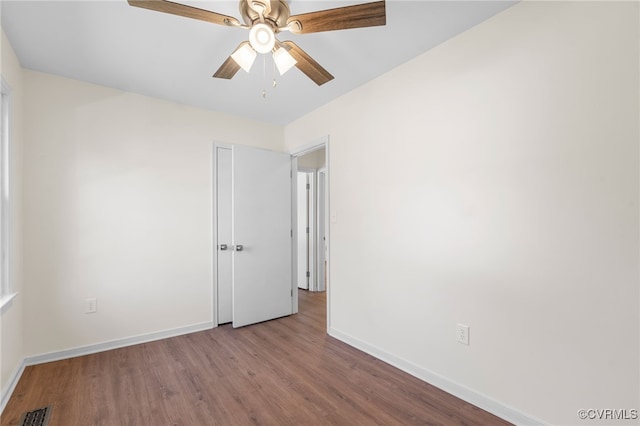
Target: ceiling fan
[(265, 19)]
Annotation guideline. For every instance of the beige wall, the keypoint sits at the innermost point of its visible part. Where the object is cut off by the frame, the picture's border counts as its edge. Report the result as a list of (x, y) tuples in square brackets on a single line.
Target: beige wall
[(11, 324), (313, 160), (493, 181), (118, 206)]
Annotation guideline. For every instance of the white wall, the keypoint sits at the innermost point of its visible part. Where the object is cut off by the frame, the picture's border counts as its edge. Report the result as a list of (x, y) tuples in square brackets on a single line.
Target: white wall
[(493, 181), (118, 206), (11, 326)]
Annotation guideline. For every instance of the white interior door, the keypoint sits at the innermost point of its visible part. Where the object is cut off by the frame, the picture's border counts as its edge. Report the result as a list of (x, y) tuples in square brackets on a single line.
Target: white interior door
[(261, 235), (223, 234), (311, 231), (303, 230)]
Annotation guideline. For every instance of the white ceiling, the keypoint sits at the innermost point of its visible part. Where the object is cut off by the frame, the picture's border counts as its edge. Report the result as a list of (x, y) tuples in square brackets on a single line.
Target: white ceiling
[(170, 57)]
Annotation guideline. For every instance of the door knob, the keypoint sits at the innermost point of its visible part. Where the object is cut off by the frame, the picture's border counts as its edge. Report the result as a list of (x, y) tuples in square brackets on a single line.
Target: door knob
[(222, 247), (239, 247)]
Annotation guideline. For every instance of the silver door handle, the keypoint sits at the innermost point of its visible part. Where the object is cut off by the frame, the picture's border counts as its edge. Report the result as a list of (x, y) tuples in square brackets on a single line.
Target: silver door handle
[(239, 247), (222, 247)]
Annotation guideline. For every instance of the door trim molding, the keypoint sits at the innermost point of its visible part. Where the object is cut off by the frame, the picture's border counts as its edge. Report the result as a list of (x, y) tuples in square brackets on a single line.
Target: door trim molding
[(315, 145)]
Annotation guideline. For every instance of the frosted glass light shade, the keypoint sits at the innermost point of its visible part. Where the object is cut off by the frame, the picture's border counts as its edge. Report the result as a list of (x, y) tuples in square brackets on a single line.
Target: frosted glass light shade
[(262, 38), (283, 59), (244, 56)]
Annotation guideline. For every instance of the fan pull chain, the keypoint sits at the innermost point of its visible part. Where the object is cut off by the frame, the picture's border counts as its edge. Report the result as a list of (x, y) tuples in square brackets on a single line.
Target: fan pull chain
[(275, 83), (264, 76)]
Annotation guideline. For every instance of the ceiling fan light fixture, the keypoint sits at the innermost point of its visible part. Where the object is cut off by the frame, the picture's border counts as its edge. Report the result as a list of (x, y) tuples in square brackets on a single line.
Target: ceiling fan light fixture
[(262, 38), (267, 18), (283, 59), (244, 56)]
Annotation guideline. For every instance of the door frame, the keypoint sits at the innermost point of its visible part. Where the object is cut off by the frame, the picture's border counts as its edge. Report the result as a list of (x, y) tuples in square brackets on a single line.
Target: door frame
[(320, 143)]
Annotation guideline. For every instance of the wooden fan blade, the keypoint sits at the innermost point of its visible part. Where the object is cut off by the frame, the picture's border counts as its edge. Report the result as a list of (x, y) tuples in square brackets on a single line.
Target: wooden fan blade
[(186, 11), (341, 18), (307, 64), (229, 68)]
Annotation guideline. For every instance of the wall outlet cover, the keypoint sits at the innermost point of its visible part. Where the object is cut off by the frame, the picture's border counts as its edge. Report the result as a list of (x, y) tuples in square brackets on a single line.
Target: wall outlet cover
[(90, 305), (462, 334)]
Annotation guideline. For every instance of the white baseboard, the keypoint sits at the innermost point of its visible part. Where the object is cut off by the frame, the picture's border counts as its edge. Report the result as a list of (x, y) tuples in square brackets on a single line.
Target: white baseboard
[(115, 344), (8, 389), (466, 394), (91, 349)]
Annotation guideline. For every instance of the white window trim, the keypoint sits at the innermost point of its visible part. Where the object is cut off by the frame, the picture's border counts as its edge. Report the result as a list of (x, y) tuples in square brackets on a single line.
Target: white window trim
[(6, 300), (7, 293)]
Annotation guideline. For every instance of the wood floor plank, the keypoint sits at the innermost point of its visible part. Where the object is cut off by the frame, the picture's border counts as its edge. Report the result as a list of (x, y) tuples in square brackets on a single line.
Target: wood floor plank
[(282, 372)]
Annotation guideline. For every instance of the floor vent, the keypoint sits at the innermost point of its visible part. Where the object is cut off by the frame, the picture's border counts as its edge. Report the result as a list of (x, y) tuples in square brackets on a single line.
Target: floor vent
[(39, 417)]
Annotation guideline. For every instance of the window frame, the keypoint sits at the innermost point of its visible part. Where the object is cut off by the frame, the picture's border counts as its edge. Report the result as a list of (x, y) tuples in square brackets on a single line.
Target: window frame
[(7, 292)]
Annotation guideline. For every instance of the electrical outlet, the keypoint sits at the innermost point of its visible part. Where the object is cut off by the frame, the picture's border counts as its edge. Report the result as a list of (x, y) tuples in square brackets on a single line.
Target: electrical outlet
[(462, 334), (90, 306)]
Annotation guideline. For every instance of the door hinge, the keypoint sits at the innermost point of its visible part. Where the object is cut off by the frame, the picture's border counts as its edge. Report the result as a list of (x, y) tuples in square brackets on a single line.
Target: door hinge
[(291, 292), (308, 186), (307, 229), (308, 274), (291, 233)]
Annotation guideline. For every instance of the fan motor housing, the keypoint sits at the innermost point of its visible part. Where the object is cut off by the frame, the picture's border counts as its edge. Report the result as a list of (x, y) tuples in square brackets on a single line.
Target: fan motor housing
[(277, 15)]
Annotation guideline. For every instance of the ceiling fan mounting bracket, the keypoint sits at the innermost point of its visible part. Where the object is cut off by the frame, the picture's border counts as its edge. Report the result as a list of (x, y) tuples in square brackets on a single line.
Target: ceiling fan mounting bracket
[(276, 14)]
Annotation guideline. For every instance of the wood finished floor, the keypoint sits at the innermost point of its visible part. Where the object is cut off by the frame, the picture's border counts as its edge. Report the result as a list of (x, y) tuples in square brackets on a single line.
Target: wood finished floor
[(281, 372)]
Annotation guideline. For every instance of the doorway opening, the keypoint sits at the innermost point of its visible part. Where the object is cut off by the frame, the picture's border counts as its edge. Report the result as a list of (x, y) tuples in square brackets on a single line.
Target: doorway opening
[(311, 235), (244, 233)]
